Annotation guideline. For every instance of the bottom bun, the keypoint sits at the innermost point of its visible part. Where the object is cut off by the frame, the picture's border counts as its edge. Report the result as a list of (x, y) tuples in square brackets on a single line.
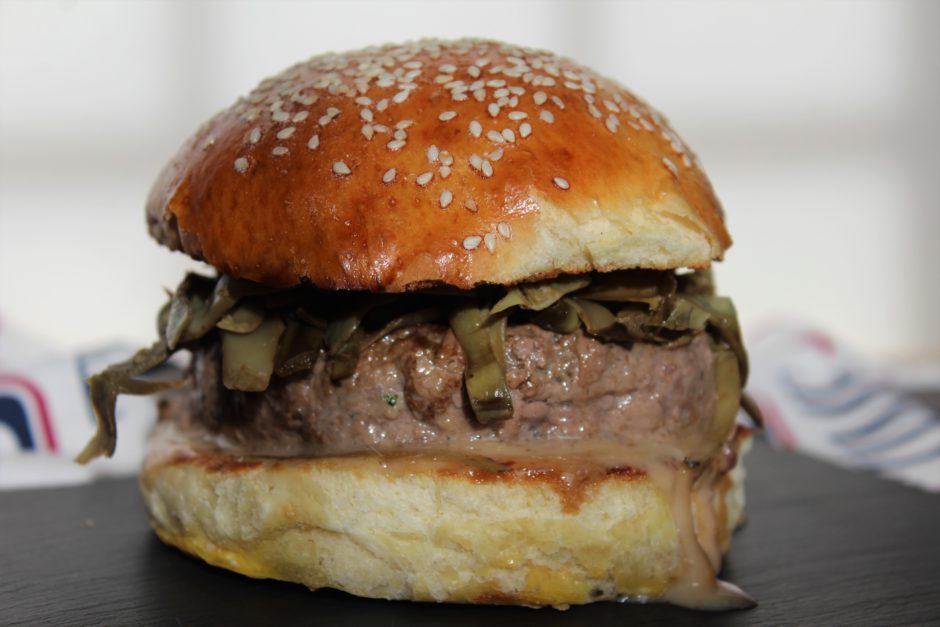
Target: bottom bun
[(449, 528)]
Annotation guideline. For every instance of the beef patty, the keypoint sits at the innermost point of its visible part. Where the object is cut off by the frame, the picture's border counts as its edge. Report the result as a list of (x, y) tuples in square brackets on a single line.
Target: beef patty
[(407, 393)]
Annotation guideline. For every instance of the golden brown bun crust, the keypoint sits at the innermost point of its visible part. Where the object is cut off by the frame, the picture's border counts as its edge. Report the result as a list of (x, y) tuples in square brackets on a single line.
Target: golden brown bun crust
[(250, 196), (411, 527)]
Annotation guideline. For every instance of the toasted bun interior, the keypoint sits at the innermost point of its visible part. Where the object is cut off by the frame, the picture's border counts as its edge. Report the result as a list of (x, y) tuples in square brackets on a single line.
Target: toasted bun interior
[(457, 163), (428, 528)]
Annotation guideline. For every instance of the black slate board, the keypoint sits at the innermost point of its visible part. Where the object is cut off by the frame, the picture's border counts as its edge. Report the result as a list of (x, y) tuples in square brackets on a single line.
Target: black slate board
[(822, 546)]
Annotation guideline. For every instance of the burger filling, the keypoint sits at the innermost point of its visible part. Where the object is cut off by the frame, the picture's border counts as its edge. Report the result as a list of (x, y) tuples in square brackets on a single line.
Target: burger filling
[(627, 357)]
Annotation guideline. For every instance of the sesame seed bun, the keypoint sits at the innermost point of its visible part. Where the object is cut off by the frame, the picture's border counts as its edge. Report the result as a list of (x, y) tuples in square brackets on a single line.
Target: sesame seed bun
[(431, 529), (453, 163)]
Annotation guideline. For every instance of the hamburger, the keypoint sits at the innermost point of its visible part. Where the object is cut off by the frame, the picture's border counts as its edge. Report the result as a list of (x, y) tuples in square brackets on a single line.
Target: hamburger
[(463, 344)]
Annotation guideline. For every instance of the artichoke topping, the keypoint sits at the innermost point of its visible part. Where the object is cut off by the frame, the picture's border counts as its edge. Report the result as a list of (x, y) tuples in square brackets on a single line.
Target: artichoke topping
[(267, 333)]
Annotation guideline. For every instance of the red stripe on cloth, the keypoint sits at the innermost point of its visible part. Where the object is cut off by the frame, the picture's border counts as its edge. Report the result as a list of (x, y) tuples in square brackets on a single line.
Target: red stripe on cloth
[(36, 394)]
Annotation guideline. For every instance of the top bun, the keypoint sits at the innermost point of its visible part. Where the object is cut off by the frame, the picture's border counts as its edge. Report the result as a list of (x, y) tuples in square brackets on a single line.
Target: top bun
[(436, 163)]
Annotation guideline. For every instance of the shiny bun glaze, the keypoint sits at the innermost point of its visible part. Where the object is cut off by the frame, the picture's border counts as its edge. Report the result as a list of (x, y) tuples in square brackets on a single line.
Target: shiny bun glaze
[(455, 163)]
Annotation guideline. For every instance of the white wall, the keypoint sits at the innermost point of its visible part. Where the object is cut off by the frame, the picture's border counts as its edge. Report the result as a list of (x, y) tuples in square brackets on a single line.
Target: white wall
[(815, 120)]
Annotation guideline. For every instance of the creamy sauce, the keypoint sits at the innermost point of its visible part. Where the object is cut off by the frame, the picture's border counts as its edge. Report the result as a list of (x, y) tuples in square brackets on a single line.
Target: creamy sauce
[(697, 585)]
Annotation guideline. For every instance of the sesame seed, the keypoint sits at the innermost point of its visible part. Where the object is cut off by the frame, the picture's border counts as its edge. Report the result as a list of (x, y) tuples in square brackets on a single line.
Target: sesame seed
[(509, 135), (324, 120), (647, 124), (446, 198), (447, 158), (479, 95), (471, 205), (612, 123), (496, 155), (546, 116), (486, 168), (540, 97), (448, 68), (496, 82), (313, 142), (382, 104), (279, 151), (670, 165), (611, 106), (470, 243), (493, 109), (364, 101), (476, 128), (400, 135), (366, 114), (368, 131), (476, 162), (444, 171), (380, 128), (401, 96), (300, 116), (395, 144), (503, 229), (501, 93), (341, 169), (495, 137), (517, 115), (634, 125), (332, 112), (280, 116), (515, 89), (424, 178), (502, 101), (561, 183), (404, 124), (525, 129), (558, 102), (473, 71), (440, 79), (458, 97), (433, 153), (489, 240), (284, 133), (389, 175), (686, 161), (254, 136), (241, 165), (572, 85), (447, 115)]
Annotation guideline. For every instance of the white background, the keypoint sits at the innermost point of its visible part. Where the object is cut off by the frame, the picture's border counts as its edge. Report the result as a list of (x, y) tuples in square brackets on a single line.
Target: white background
[(816, 121)]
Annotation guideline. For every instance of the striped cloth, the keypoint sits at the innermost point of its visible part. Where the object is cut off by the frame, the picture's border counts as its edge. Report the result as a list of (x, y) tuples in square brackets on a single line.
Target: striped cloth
[(821, 399)]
